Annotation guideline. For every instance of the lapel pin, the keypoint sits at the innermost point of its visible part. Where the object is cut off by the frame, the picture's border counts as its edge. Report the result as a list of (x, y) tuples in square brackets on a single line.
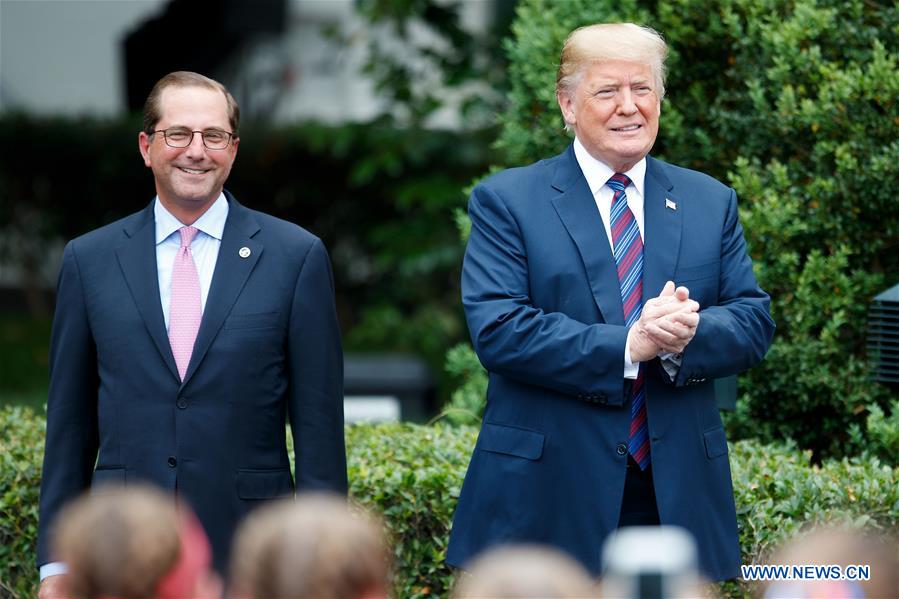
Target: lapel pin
[(670, 204), (244, 252)]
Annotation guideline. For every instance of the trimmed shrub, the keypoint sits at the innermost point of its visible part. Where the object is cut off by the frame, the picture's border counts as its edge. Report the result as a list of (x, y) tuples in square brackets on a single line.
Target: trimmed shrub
[(412, 474), (21, 455), (794, 104)]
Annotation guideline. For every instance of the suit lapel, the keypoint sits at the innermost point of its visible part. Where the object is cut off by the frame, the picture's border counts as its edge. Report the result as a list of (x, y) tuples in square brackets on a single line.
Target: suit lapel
[(137, 259), (662, 227), (231, 273), (580, 216)]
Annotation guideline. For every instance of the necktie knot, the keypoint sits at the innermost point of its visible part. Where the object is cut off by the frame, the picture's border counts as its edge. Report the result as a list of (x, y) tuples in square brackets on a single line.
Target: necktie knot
[(187, 235), (618, 182)]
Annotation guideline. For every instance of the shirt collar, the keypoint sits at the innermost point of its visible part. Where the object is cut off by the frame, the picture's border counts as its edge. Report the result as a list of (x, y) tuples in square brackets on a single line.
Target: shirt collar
[(212, 222), (597, 172)]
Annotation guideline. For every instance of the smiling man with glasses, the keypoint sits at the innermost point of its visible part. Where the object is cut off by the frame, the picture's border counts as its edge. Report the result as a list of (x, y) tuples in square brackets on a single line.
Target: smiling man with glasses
[(186, 336)]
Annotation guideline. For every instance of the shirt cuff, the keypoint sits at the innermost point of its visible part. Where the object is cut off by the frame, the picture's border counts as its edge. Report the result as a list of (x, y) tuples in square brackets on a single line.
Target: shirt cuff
[(53, 569), (630, 369), (671, 363)]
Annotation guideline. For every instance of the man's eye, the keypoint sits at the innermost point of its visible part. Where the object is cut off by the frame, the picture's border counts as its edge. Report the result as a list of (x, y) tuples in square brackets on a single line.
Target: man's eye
[(605, 93), (214, 135), (643, 90), (177, 134)]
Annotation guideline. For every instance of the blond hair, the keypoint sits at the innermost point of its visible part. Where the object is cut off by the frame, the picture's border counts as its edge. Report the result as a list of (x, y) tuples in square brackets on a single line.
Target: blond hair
[(611, 41), (117, 542), (153, 109), (519, 571), (316, 547)]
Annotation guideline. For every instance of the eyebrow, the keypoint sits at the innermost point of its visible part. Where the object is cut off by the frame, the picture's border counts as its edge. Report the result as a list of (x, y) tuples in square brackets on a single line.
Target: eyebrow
[(599, 84)]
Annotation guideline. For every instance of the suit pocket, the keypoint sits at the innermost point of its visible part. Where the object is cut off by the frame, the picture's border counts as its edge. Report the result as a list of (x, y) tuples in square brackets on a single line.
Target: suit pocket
[(264, 484), (262, 320), (715, 443), (510, 440), (109, 476), (698, 272)]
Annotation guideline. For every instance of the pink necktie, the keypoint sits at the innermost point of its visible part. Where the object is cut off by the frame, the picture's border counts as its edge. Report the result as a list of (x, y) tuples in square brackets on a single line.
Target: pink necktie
[(185, 311)]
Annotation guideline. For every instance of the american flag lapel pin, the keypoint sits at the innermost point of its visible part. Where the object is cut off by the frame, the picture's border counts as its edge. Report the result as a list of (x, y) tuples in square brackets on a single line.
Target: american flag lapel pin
[(670, 204)]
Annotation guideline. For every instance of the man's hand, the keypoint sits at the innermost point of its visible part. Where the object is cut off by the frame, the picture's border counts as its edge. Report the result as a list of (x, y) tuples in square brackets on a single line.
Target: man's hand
[(674, 331), (53, 587), (667, 323)]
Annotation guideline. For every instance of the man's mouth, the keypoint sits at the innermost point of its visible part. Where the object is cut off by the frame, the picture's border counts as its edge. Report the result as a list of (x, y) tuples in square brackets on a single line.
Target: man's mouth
[(627, 128), (193, 171)]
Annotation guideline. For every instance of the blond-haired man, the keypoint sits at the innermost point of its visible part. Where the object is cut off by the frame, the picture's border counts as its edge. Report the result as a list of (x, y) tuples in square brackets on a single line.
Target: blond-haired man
[(604, 291)]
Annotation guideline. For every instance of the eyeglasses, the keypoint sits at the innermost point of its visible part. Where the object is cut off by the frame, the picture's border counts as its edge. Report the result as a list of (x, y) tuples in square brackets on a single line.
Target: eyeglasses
[(179, 137)]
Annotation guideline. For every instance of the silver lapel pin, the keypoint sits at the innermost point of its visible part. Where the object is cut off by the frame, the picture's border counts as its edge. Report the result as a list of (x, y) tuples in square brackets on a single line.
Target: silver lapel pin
[(244, 252), (670, 204)]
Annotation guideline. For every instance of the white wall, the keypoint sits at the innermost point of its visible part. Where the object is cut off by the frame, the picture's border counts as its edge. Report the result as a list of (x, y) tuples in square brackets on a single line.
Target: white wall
[(65, 56)]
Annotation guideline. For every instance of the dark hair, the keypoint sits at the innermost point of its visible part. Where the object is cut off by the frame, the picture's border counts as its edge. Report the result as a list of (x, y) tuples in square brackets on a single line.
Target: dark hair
[(152, 111)]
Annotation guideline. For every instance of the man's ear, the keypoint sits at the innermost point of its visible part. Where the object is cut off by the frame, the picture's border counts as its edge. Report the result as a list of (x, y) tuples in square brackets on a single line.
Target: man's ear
[(143, 144), (566, 105)]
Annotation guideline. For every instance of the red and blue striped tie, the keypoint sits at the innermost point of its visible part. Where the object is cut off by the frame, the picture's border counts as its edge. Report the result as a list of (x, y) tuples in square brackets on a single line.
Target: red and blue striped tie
[(628, 250)]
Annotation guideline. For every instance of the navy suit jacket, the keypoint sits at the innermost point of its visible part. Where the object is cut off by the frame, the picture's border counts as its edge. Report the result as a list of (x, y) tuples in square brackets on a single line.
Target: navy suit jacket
[(268, 351), (543, 305)]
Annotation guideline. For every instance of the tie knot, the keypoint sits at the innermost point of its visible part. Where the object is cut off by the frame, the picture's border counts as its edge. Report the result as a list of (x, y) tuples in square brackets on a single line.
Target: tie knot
[(618, 182), (187, 235)]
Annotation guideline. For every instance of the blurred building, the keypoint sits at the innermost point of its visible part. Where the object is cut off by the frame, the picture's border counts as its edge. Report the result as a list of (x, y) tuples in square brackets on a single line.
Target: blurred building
[(99, 57)]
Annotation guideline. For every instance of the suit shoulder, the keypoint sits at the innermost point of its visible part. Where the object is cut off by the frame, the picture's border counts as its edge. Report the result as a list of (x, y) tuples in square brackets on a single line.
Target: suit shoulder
[(687, 178), (109, 235), (513, 180), (285, 232)]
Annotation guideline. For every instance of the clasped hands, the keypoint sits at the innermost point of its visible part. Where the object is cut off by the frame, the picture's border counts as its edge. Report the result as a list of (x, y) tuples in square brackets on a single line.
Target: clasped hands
[(667, 324)]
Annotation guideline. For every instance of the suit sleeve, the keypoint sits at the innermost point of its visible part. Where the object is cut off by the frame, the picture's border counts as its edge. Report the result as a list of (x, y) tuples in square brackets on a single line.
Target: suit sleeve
[(316, 378), (72, 440), (516, 339), (734, 334)]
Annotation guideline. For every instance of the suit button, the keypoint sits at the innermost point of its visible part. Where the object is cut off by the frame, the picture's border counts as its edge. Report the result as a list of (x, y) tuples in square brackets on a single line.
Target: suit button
[(182, 402), (172, 461), (621, 449)]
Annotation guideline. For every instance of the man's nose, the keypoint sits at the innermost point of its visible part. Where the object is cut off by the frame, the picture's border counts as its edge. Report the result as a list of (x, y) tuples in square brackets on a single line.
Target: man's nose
[(626, 103), (196, 149)]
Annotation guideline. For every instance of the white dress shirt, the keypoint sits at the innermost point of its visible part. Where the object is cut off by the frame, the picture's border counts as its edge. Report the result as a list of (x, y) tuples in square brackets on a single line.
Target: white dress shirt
[(205, 248)]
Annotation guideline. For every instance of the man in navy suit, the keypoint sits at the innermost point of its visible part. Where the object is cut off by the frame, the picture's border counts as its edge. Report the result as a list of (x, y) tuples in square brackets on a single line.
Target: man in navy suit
[(188, 334), (605, 290)]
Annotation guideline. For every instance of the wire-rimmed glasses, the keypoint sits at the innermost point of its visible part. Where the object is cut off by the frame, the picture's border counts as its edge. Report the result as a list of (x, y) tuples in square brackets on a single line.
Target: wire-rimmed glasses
[(179, 137)]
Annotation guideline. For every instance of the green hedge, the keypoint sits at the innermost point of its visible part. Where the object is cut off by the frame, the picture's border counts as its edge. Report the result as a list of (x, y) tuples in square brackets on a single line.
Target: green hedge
[(795, 103), (412, 474), (21, 455)]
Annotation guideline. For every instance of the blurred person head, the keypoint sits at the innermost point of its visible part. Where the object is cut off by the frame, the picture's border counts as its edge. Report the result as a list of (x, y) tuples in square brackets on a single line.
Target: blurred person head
[(133, 543), (520, 571), (189, 140), (838, 546), (316, 547), (651, 561), (609, 86)]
